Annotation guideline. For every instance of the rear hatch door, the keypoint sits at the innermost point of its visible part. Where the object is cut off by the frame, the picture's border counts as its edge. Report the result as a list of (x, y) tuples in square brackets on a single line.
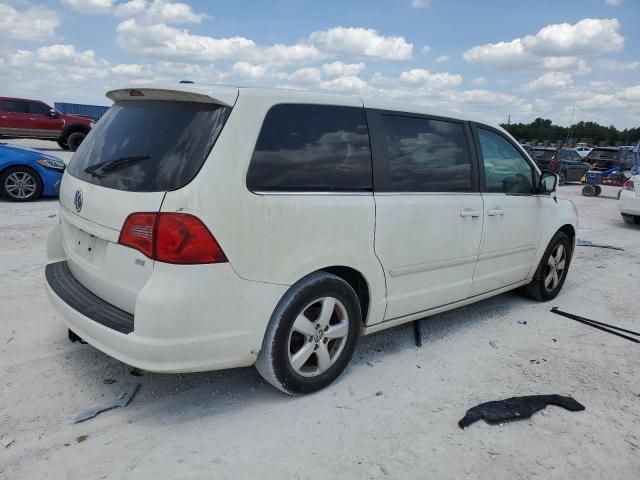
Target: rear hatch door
[(149, 142)]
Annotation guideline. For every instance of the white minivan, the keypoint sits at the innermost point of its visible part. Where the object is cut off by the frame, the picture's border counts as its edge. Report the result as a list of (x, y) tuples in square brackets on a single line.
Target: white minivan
[(211, 227)]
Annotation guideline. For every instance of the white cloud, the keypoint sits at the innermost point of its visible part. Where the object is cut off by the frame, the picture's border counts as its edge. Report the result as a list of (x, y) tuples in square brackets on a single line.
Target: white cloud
[(248, 70), (588, 37), (550, 81), (32, 23), (303, 76), (479, 81), (170, 43), (631, 93), (426, 49), (613, 3), (174, 44), (130, 8), (363, 42), (280, 54), (348, 84), (174, 13), (420, 3), (341, 69), (424, 78), (89, 6), (442, 59)]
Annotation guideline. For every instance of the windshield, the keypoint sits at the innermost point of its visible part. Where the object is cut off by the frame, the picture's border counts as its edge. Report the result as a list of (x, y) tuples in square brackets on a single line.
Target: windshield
[(543, 154), (603, 154), (149, 146)]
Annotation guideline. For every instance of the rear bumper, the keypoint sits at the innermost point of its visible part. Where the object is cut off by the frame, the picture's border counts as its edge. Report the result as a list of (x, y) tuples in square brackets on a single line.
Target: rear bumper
[(628, 203), (188, 318)]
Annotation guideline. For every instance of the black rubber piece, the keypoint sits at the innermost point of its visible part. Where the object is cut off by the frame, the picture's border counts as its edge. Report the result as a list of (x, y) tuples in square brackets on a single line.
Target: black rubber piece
[(516, 408), (70, 291)]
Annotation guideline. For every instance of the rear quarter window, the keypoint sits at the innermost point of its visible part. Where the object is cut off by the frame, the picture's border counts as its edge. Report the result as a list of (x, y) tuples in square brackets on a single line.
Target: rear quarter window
[(312, 147)]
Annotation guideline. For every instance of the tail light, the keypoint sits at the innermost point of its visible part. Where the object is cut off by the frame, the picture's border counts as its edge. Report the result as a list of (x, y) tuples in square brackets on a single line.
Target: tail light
[(628, 185), (171, 238), (553, 163)]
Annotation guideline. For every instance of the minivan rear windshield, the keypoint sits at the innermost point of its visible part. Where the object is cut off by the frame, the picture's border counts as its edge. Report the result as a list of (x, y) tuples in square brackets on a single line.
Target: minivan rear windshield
[(148, 145)]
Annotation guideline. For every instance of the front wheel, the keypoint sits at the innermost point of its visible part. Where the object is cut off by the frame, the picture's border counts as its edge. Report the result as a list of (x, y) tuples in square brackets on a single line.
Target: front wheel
[(20, 184), (552, 270), (631, 219), (311, 336)]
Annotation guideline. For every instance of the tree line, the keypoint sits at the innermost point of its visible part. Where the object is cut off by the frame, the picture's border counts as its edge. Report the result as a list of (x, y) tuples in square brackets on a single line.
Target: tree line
[(543, 130)]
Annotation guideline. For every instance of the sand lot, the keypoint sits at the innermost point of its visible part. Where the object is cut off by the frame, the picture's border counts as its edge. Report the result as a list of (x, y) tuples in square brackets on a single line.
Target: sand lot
[(393, 414)]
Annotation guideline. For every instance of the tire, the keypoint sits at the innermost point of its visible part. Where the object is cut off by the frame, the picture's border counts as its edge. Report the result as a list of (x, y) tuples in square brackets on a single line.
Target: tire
[(563, 177), (292, 358), (631, 219), (62, 143), (74, 140), (588, 191), (619, 193), (545, 286), (598, 190), (20, 184)]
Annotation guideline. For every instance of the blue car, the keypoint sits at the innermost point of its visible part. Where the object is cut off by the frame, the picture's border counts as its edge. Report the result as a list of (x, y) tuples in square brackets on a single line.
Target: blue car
[(27, 174)]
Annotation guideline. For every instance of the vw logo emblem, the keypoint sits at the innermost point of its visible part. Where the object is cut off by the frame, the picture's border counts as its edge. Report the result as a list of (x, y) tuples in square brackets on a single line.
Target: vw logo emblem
[(77, 200)]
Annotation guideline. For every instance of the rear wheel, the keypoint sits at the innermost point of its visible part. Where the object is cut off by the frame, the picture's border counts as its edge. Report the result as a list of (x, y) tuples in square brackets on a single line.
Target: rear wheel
[(552, 270), (74, 140), (588, 191), (20, 184), (312, 335), (598, 190), (631, 219), (62, 143)]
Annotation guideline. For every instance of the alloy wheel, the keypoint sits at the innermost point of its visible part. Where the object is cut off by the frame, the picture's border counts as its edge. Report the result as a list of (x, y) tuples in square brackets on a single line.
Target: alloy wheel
[(20, 185), (318, 336), (556, 265)]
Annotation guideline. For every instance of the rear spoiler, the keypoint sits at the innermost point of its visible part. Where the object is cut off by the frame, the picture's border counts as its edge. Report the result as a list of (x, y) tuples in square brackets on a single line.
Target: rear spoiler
[(218, 94)]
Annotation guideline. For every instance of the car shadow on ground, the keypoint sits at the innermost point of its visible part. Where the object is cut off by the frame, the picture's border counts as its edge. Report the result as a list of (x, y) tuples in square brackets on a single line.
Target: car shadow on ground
[(213, 393)]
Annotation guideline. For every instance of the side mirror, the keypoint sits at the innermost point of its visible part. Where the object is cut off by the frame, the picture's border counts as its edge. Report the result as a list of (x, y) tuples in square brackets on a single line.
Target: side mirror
[(52, 113), (548, 182)]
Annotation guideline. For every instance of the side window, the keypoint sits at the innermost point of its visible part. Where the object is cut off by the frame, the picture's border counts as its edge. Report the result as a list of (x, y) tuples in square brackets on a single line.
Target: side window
[(427, 155), (505, 169), (312, 147), (15, 106), (38, 108)]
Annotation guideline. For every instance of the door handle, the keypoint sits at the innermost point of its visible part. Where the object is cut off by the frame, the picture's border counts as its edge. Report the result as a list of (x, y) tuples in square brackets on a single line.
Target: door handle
[(495, 211), (467, 212)]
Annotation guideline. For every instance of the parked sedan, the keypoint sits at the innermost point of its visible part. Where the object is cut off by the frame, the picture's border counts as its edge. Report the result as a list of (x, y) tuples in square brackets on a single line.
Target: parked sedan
[(563, 161), (27, 174)]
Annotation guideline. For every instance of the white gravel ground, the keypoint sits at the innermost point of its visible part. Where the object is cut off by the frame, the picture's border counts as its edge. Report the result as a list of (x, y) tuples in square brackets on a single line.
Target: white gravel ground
[(393, 414)]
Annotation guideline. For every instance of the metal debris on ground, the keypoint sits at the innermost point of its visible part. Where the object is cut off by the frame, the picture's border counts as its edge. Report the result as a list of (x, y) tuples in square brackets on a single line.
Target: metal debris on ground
[(121, 402), (588, 243), (516, 408), (605, 327), (7, 441), (522, 322)]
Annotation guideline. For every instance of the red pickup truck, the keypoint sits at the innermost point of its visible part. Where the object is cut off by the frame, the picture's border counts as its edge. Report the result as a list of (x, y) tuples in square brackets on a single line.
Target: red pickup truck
[(24, 118)]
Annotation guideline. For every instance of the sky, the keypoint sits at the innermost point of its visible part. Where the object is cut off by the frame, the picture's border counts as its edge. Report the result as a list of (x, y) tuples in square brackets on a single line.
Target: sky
[(487, 59)]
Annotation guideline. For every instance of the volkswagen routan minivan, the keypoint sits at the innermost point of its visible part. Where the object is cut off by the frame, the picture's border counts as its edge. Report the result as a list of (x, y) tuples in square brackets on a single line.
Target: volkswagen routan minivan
[(211, 227)]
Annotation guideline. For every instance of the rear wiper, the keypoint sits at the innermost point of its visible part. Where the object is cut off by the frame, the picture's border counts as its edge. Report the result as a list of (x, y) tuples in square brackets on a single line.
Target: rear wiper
[(99, 169)]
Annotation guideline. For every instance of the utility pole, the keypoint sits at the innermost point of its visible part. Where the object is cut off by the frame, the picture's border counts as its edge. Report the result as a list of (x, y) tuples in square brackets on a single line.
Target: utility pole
[(570, 125)]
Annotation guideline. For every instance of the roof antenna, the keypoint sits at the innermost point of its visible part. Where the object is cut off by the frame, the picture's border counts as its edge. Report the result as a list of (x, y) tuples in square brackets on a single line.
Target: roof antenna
[(186, 81)]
